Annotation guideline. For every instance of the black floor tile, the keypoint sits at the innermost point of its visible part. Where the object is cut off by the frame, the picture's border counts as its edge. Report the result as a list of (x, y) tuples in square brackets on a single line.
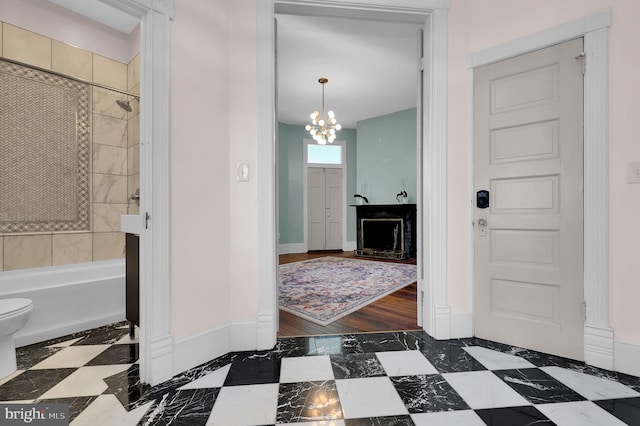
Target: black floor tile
[(537, 386), (190, 407), (33, 383), (428, 394), (116, 354), (308, 401), (626, 409), (251, 368), (513, 416), (353, 366), (381, 421)]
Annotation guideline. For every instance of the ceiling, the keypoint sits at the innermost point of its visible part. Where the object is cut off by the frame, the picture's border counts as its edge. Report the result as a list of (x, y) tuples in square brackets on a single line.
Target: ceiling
[(371, 64), (371, 67)]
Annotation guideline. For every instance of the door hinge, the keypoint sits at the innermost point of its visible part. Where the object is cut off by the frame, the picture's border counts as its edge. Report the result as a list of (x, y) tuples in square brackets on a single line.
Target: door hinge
[(583, 58), (147, 217), (422, 297), (584, 310), (421, 64)]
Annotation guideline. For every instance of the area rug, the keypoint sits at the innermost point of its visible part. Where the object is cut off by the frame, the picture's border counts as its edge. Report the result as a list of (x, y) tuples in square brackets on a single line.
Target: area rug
[(325, 289)]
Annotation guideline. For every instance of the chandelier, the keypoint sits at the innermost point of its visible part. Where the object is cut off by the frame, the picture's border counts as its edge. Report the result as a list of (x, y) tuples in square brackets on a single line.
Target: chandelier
[(322, 128)]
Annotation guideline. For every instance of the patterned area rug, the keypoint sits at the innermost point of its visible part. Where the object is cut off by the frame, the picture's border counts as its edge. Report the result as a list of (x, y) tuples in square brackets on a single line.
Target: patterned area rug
[(327, 288)]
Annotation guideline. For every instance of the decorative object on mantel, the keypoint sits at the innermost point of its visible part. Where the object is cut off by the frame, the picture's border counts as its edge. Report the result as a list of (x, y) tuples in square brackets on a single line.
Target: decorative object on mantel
[(325, 289), (322, 128), (360, 198), (402, 196)]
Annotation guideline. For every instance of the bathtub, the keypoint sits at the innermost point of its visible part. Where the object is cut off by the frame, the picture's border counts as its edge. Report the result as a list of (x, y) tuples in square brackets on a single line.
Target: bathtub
[(67, 298)]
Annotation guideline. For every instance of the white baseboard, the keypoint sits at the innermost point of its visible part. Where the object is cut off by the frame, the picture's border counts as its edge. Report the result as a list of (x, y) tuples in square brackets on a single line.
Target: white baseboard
[(625, 358), (598, 346), (292, 248), (349, 245), (244, 336), (442, 326), (266, 331), (198, 348), (461, 326)]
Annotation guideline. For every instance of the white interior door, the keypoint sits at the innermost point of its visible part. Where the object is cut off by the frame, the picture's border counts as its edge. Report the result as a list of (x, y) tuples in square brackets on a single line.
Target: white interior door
[(528, 145), (325, 208)]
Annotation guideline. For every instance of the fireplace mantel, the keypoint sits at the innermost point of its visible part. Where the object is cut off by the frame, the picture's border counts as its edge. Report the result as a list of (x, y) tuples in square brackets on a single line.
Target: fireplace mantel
[(405, 214)]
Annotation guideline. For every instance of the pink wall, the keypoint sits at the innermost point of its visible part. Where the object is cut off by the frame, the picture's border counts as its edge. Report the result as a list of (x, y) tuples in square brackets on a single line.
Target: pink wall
[(480, 24), (213, 127), (243, 91)]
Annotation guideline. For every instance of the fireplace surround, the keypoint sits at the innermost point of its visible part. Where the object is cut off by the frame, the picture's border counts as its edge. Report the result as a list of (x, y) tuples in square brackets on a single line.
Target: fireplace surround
[(386, 231)]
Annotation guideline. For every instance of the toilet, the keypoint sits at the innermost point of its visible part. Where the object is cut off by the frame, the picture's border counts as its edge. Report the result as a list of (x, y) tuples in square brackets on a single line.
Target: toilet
[(14, 314)]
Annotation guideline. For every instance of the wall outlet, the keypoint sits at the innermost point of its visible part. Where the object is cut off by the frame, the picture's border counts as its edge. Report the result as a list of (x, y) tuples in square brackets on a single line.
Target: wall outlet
[(633, 172)]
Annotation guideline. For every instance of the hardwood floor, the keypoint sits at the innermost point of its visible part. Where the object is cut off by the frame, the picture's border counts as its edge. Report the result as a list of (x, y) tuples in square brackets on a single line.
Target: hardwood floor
[(395, 312)]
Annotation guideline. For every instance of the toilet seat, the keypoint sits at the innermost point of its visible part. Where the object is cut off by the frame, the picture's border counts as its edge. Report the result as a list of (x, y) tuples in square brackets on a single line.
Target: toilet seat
[(11, 307)]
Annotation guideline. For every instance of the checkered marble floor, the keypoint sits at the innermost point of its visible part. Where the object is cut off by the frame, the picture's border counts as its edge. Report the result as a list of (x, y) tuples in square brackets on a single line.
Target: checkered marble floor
[(361, 379)]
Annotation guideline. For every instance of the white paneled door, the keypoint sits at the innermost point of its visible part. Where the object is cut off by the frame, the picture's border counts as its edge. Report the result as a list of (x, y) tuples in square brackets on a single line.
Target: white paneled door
[(528, 155), (325, 208)]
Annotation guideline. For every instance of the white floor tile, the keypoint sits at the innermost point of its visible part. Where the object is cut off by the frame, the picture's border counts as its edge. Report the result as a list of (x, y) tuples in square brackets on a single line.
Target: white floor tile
[(65, 343), (245, 405), (306, 369), (5, 379), (494, 360), (86, 381), (580, 413), (106, 410), (483, 389), (591, 387), (405, 363), (73, 356), (369, 397), (448, 418), (215, 379)]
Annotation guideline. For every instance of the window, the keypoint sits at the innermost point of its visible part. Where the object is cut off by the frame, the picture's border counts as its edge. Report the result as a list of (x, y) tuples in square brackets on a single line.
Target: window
[(324, 154)]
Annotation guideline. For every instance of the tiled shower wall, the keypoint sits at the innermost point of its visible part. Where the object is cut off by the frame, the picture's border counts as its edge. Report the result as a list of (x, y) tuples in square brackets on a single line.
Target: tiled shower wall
[(115, 163)]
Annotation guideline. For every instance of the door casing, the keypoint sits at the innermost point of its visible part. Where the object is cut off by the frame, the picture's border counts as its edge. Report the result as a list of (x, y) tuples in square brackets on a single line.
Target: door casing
[(305, 196), (598, 337), (433, 15)]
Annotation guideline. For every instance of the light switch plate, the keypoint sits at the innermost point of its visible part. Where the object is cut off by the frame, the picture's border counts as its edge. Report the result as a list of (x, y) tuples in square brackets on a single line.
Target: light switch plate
[(633, 172), (242, 172)]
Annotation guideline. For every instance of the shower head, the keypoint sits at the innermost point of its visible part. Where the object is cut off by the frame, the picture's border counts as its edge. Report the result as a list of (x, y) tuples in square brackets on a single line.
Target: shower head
[(125, 105)]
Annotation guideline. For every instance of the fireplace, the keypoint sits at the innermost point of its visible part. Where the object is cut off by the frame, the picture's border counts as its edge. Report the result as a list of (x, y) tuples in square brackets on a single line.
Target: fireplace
[(382, 238), (386, 231)]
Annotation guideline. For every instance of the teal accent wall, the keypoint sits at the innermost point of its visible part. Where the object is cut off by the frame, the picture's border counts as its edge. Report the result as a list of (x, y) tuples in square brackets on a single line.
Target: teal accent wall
[(291, 181), (386, 156)]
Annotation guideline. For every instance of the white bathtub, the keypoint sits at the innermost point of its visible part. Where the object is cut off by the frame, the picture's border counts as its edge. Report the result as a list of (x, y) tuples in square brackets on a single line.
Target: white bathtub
[(67, 298)]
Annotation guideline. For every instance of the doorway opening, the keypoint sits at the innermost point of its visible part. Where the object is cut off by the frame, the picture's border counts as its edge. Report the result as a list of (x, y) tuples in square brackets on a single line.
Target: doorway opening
[(384, 159)]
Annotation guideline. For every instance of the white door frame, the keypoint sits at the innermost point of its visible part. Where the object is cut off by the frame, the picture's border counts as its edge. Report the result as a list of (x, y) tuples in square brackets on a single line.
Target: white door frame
[(598, 335), (305, 189), (432, 226), (156, 343)]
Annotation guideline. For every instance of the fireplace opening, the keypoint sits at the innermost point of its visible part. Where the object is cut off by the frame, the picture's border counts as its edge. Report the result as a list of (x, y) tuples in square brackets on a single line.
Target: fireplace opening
[(382, 238)]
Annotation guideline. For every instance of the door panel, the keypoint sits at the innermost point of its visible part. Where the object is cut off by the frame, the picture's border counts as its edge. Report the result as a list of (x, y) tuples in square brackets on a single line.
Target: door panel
[(528, 153), (316, 195), (325, 209), (333, 209)]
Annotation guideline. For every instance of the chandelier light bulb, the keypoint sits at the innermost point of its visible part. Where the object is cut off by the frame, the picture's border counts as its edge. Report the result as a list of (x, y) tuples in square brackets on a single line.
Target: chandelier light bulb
[(322, 128)]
